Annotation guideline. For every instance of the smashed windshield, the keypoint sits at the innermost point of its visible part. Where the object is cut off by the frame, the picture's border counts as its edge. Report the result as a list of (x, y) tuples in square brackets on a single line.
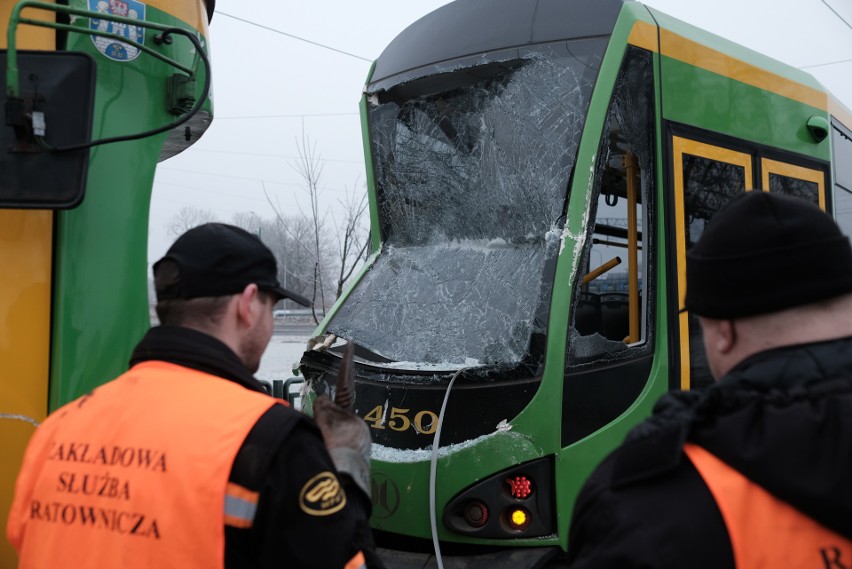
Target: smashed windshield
[(472, 166)]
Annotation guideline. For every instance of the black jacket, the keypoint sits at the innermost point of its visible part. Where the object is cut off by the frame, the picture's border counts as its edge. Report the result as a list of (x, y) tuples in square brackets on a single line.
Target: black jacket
[(782, 418), (281, 453)]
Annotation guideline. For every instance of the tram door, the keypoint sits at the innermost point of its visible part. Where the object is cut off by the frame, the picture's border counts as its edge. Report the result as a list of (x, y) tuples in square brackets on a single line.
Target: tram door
[(706, 176)]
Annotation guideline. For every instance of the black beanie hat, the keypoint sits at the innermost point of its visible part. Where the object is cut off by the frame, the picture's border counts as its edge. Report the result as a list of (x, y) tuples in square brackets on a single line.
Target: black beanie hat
[(216, 259), (763, 253)]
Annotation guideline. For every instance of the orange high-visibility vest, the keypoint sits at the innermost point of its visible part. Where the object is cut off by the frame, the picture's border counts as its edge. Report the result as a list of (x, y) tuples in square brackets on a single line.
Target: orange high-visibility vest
[(135, 474), (767, 532)]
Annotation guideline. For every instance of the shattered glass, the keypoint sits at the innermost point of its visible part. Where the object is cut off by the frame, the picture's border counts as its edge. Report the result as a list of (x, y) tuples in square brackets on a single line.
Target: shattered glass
[(600, 309), (472, 169)]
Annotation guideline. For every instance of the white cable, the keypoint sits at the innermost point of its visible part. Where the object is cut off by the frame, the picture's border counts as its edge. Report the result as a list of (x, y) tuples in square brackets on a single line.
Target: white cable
[(433, 520)]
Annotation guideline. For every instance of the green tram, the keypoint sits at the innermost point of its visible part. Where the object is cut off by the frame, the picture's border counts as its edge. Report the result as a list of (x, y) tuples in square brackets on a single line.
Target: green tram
[(97, 92), (537, 172)]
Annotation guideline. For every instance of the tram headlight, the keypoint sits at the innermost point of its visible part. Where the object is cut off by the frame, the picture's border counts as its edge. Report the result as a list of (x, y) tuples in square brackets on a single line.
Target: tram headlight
[(514, 503)]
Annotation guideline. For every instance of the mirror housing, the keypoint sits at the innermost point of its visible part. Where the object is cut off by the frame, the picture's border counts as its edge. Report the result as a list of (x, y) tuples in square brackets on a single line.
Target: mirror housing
[(818, 127), (54, 108)]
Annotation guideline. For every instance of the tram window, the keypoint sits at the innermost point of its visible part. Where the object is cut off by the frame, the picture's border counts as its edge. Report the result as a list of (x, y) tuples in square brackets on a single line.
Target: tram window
[(798, 181), (842, 141), (842, 145), (603, 302), (706, 177), (609, 347), (843, 208), (609, 309), (708, 184), (794, 187)]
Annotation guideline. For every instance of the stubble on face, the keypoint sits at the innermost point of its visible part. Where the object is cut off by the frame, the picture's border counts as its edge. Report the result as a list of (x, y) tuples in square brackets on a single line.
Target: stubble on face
[(256, 339)]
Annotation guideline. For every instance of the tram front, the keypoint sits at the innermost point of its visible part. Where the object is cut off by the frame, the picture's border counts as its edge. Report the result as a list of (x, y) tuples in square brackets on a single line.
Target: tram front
[(473, 124)]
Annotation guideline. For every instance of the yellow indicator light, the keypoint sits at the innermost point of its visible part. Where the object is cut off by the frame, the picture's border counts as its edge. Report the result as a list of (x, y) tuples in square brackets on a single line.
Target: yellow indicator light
[(520, 519)]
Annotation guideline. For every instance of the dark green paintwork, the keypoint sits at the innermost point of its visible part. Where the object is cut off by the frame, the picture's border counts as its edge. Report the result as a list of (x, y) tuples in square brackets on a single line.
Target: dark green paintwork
[(100, 306), (739, 110), (718, 103)]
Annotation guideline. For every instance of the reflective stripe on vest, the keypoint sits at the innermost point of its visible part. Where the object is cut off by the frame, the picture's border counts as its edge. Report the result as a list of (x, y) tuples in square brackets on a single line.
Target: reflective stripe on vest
[(135, 474), (240, 506), (765, 531)]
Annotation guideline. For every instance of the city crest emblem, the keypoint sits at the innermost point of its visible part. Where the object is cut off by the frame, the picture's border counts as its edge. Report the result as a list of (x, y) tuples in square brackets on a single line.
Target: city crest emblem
[(110, 47)]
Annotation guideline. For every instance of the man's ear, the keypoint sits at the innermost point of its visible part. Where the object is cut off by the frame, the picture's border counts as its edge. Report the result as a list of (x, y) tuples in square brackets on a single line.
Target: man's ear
[(726, 337), (244, 305)]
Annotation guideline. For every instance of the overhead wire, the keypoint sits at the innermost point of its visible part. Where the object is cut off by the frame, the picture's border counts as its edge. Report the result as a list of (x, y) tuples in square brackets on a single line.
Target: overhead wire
[(270, 155), (274, 182), (293, 36), (842, 19), (296, 116), (301, 115), (241, 196), (848, 25), (826, 63)]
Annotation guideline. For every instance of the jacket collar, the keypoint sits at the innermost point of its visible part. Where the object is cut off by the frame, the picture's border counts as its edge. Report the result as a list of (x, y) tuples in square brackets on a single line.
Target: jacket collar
[(196, 350), (786, 367)]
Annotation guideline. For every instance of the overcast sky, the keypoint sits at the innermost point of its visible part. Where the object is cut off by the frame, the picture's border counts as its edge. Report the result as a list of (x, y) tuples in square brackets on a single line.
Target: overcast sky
[(268, 88)]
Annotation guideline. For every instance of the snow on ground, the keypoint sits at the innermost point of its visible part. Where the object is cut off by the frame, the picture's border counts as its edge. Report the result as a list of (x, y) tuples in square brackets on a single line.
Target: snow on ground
[(281, 356)]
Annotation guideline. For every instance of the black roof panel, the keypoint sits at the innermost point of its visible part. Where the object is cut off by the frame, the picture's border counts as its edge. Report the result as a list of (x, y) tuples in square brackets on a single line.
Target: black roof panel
[(469, 27)]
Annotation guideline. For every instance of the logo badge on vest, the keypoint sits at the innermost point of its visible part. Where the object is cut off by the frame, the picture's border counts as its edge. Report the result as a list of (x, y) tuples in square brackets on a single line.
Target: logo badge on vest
[(322, 495)]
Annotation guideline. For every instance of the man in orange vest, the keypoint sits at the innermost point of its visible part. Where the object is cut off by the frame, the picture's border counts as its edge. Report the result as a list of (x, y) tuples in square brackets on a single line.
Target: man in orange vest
[(755, 470), (184, 461)]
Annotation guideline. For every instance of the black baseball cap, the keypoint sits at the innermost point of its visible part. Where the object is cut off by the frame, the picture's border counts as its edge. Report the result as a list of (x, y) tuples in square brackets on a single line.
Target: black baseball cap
[(217, 259), (765, 252)]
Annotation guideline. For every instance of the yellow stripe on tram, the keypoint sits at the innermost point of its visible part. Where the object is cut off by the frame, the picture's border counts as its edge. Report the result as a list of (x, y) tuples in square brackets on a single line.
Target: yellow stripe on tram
[(193, 12), (26, 253), (677, 47)]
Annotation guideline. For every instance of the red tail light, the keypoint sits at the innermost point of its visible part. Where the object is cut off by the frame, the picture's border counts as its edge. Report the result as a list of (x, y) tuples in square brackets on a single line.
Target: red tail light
[(519, 487)]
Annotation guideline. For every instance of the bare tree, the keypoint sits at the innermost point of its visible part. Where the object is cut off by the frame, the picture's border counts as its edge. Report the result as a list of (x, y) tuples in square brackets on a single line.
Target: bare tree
[(299, 263), (310, 242), (283, 235), (188, 217), (352, 237), (310, 167), (306, 254), (311, 236), (249, 221)]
